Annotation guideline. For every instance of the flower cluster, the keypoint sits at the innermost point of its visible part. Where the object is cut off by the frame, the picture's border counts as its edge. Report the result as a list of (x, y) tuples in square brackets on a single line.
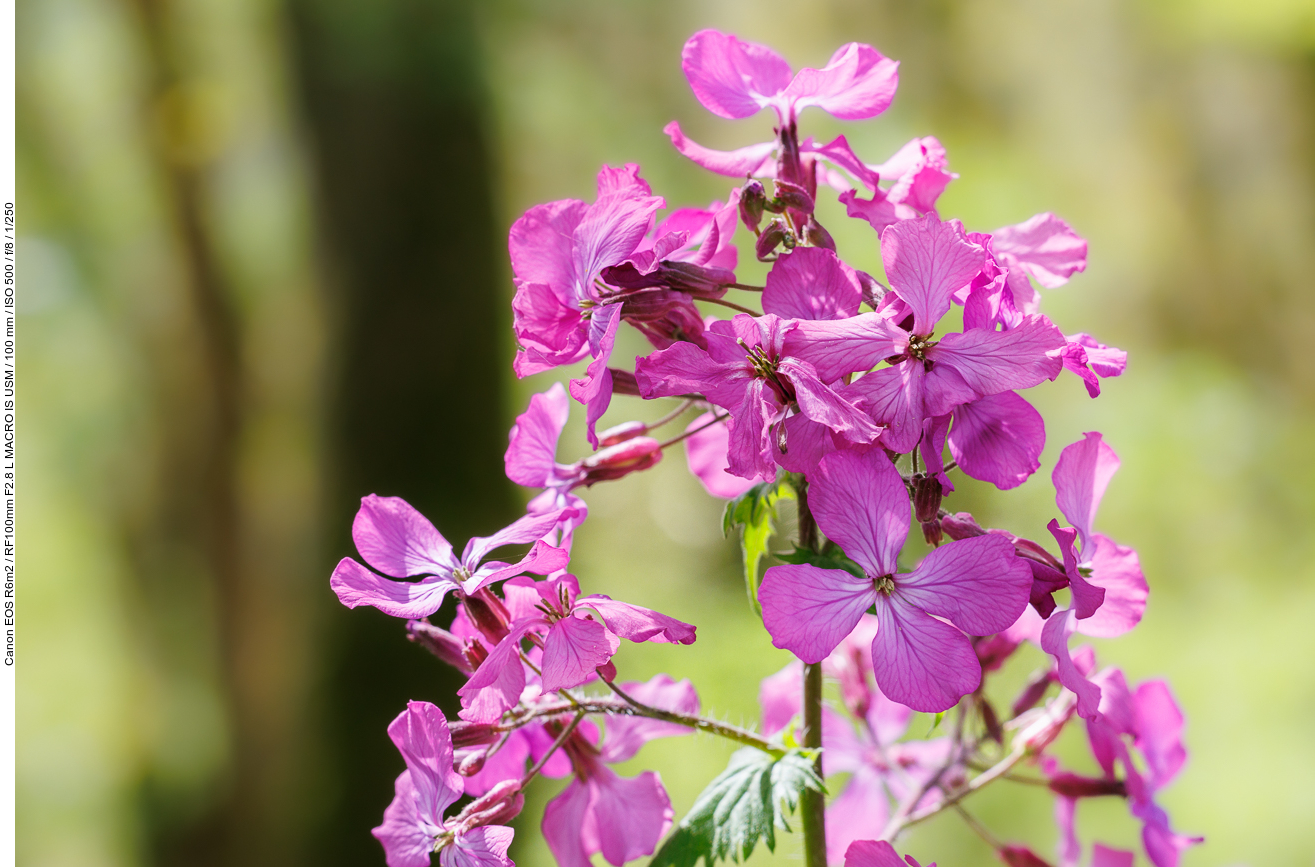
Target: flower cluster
[(855, 398)]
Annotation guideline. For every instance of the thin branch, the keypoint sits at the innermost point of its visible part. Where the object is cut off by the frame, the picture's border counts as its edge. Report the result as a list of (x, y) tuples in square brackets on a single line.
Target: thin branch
[(673, 415), (690, 433), (1000, 769), (745, 287), (704, 724), (731, 304), (561, 739), (980, 829)]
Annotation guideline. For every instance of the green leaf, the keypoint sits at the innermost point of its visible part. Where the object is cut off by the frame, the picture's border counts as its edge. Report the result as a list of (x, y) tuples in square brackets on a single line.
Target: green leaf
[(935, 723), (746, 803), (752, 512), (833, 559)]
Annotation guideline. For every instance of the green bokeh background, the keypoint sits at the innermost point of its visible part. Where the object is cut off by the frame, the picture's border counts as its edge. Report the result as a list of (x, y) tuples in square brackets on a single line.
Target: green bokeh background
[(1177, 136)]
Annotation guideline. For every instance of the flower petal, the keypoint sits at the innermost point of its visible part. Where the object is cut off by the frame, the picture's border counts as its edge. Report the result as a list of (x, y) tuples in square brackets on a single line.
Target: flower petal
[(851, 345), (857, 83), (824, 406), (998, 439), (540, 244), (994, 361), (705, 452), (574, 647), (399, 541), (529, 528), (861, 504), (1054, 640), (1044, 246), (406, 842), (859, 811), (872, 853), (497, 684), (1117, 570), (919, 661), (568, 826), (756, 160), (356, 586), (1087, 597), (1159, 732), (420, 733), (812, 283), (626, 734), (1081, 475), (638, 624), (485, 846), (594, 390), (531, 457), (809, 611), (632, 814), (927, 261), (733, 79), (543, 559), (978, 584)]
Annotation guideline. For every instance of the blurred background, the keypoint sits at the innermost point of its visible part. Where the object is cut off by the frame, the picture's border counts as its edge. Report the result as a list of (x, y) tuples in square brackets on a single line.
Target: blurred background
[(263, 273)]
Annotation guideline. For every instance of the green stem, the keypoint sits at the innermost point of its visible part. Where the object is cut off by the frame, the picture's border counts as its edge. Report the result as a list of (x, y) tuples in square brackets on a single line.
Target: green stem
[(812, 805)]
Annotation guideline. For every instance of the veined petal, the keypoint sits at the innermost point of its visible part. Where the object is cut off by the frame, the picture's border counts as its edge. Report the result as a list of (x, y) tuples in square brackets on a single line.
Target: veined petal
[(683, 368), (529, 528), (406, 842), (485, 846), (626, 734), (1054, 640), (893, 396), (705, 452), (638, 624), (574, 647), (608, 233), (857, 83), (919, 661), (1044, 246), (979, 584), (355, 586), (756, 160), (1087, 597), (812, 283), (497, 684), (1116, 570), (860, 811), (872, 853), (1081, 475), (927, 150), (531, 457), (808, 610), (994, 361), (550, 331), (861, 504), (733, 79), (567, 819), (824, 406), (998, 439), (748, 453), (840, 154), (543, 559), (540, 244), (420, 733), (927, 261), (631, 815), (399, 541), (595, 389), (879, 211), (835, 348)]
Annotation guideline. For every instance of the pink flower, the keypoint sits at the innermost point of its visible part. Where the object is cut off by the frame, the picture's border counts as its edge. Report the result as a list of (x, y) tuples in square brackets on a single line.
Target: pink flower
[(414, 825), (877, 853), (705, 453), (920, 172), (623, 818), (747, 370), (919, 660), (398, 541), (580, 633)]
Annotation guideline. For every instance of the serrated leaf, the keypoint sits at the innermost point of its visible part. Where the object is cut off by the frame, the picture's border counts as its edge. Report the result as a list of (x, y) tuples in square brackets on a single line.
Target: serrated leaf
[(746, 803), (834, 559), (753, 511)]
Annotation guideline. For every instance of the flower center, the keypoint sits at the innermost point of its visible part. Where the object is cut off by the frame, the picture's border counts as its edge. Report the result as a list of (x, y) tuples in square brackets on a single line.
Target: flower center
[(885, 584), (918, 347), (765, 368)]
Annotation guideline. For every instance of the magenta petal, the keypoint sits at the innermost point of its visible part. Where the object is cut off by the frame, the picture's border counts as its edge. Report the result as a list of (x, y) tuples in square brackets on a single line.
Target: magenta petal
[(567, 820), (733, 79), (497, 684), (994, 361), (919, 661), (927, 261), (574, 647), (748, 452), (914, 153), (632, 814), (529, 528), (705, 452), (919, 189), (1164, 847), (356, 586), (861, 504), (485, 846), (859, 811), (507, 762), (756, 160), (550, 331), (608, 233), (638, 624), (839, 153), (420, 733), (1106, 361), (879, 211), (812, 283), (1117, 571), (998, 439), (626, 734), (531, 457), (835, 348), (780, 696), (1081, 475), (1054, 640), (1159, 725), (809, 611), (807, 442), (1103, 856), (399, 541), (1044, 246), (540, 243), (1070, 848), (824, 406), (1087, 597), (595, 389), (406, 841), (543, 559), (894, 397), (979, 584), (857, 83), (872, 853), (683, 368)]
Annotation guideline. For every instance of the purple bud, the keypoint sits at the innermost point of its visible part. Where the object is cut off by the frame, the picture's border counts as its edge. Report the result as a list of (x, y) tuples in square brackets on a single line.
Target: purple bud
[(469, 734), (1033, 691), (472, 764), (961, 526), (794, 197), (607, 671), (486, 612), (648, 304), (818, 236), (926, 497), (443, 644), (931, 533), (753, 198), (624, 382), (498, 805), (771, 238), (1021, 856), (991, 721), (993, 651), (1075, 786), (873, 291), (619, 460), (475, 652), (622, 432)]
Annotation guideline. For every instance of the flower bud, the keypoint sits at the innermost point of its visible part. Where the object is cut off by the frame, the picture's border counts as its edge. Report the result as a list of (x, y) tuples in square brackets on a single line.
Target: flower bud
[(1075, 786), (469, 734), (607, 671), (697, 280), (443, 644), (624, 382), (1033, 691), (961, 526), (644, 305), (472, 764), (772, 237), (475, 652), (872, 290), (926, 496), (1039, 726), (622, 432), (931, 532), (498, 805), (993, 651), (991, 721), (1021, 856), (486, 612), (817, 235), (794, 197), (622, 459), (753, 198)]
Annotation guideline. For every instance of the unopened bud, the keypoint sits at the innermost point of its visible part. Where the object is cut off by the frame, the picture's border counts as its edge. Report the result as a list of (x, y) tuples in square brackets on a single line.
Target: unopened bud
[(1033, 691), (622, 459), (624, 382), (1021, 856), (486, 612), (697, 280), (794, 197), (443, 644), (607, 671), (753, 198), (622, 432), (931, 532), (649, 304), (469, 734), (872, 290), (926, 496), (498, 805), (472, 764), (817, 235), (992, 722), (960, 526), (772, 237), (475, 652), (1075, 786), (993, 651)]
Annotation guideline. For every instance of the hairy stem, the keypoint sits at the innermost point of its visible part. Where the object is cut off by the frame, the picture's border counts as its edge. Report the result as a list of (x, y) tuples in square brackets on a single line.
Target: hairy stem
[(812, 805), (556, 745), (732, 305)]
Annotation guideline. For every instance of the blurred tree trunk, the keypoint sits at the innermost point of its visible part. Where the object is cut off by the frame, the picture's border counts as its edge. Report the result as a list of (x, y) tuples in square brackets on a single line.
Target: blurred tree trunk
[(395, 107)]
